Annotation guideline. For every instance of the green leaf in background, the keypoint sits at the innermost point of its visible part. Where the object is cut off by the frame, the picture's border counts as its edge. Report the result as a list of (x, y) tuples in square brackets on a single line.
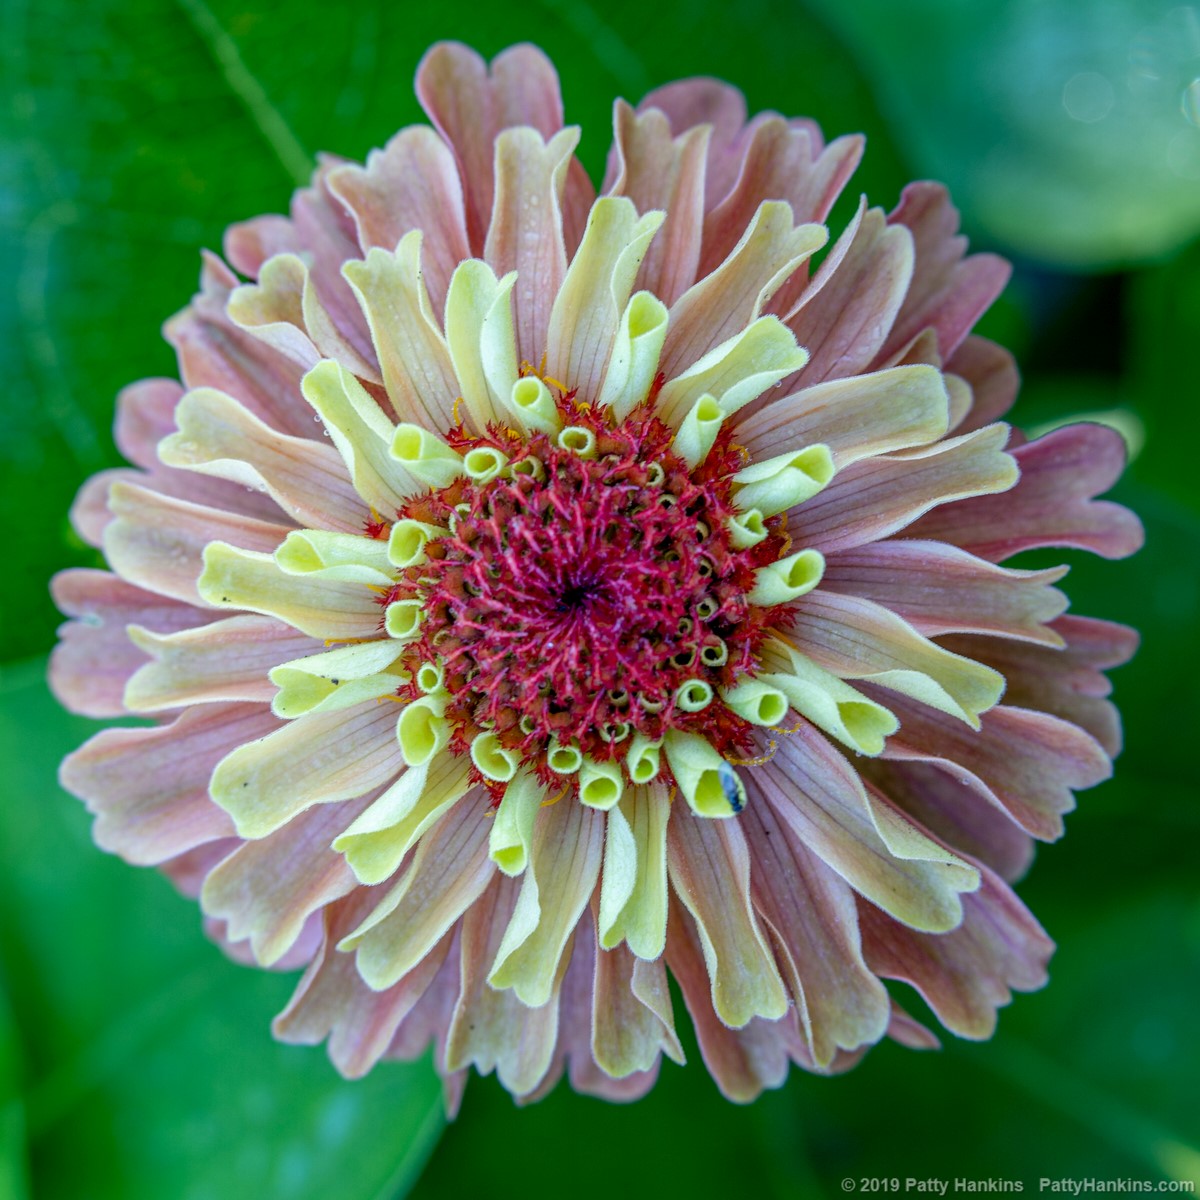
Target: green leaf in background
[(1069, 130), (149, 1070)]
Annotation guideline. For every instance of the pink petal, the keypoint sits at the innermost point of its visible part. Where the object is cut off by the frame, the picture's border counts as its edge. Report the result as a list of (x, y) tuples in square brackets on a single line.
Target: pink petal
[(187, 871), (1052, 503), (428, 1022), (526, 230), (331, 1001), (94, 658), (657, 171), (691, 102), (248, 244), (624, 1036), (214, 352), (329, 237), (820, 797), (779, 163), (811, 917), (880, 496), (940, 589), (222, 449), (964, 975), (448, 872), (145, 415), (149, 787), (412, 183), (267, 889), (991, 372), (1066, 682), (844, 315), (492, 1029), (1026, 762), (470, 104), (223, 661), (592, 981), (158, 542), (908, 1032), (949, 292)]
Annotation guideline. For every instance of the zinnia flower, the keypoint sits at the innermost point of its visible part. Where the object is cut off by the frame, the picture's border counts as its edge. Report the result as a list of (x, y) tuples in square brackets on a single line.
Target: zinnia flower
[(535, 596)]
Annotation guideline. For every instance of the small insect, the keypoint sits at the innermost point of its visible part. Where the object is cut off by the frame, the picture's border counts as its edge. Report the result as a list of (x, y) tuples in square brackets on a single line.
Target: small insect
[(731, 785)]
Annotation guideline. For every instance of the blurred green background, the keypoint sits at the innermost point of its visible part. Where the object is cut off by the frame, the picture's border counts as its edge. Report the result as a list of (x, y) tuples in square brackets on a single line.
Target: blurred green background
[(134, 1060)]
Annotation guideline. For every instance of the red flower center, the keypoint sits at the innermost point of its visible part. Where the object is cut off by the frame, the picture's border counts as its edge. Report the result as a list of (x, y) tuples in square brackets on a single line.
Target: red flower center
[(585, 597)]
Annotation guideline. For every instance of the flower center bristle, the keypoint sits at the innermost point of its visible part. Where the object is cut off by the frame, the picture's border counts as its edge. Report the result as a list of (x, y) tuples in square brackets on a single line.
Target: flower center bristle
[(588, 593)]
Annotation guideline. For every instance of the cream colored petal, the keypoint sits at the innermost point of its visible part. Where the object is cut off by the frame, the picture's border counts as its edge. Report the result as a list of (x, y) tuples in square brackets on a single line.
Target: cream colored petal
[(828, 701), (820, 796), (597, 286), (344, 557), (318, 759), (227, 660), (627, 1034), (425, 456), (555, 888), (158, 543), (306, 478), (417, 370), (526, 230), (710, 785), (877, 497), (375, 845), (494, 1030), (856, 418), (448, 873), (709, 868), (633, 884), (362, 434), (775, 484), (657, 171), (511, 838), (600, 784), (272, 309), (858, 639), (742, 1061), (633, 366), (336, 679), (322, 608), (266, 890), (481, 339), (724, 302), (734, 372)]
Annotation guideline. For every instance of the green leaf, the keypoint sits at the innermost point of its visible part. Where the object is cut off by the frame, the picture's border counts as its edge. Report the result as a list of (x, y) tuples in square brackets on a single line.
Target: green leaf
[(148, 1053), (1069, 131)]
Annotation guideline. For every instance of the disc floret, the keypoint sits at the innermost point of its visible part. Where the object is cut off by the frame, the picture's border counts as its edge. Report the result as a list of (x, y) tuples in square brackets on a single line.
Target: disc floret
[(589, 596)]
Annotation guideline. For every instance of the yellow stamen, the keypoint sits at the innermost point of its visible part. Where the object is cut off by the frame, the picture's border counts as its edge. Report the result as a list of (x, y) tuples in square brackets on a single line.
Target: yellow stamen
[(556, 799)]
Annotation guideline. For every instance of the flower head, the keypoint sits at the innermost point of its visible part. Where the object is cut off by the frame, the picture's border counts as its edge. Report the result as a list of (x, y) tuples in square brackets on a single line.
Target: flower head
[(536, 595)]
